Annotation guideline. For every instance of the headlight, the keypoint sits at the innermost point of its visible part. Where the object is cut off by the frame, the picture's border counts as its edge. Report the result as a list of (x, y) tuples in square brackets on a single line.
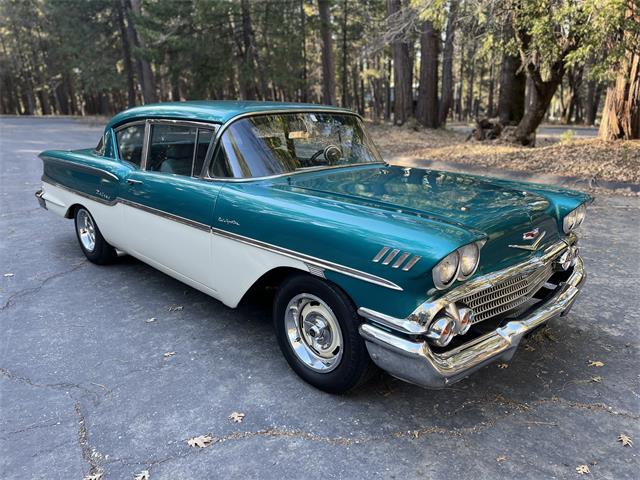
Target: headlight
[(469, 258), (445, 272), (574, 218)]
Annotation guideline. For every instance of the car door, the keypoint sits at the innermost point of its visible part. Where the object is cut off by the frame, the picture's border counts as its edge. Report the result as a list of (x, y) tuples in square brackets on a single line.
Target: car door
[(168, 209)]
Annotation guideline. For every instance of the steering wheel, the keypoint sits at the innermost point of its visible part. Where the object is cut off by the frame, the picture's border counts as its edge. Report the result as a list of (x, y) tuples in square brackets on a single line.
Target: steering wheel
[(331, 153)]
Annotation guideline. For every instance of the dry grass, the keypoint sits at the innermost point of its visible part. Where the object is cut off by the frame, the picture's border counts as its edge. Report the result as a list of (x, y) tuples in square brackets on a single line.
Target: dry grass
[(588, 159)]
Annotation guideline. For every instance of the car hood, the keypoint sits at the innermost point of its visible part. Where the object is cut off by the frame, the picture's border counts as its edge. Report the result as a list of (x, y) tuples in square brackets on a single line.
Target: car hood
[(499, 211)]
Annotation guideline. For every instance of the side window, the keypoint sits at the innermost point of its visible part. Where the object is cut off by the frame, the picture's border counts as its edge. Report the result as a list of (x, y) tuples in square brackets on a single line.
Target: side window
[(130, 141), (220, 164), (171, 149)]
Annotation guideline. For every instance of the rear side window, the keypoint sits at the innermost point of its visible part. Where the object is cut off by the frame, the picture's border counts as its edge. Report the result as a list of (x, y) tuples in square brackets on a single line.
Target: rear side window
[(171, 149), (178, 149), (130, 141)]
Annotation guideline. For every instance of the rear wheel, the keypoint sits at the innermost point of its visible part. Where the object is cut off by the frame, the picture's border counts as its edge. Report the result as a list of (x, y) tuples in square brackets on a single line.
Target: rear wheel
[(317, 329), (92, 243)]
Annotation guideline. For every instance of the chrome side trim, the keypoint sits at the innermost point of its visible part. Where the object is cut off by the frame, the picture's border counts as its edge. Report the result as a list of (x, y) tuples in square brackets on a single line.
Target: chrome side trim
[(307, 259), (400, 260), (80, 166), (167, 215), (383, 251), (50, 181), (391, 256), (415, 362), (410, 264)]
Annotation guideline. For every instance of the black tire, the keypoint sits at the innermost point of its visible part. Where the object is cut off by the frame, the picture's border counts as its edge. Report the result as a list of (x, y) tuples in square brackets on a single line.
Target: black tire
[(355, 366), (102, 253)]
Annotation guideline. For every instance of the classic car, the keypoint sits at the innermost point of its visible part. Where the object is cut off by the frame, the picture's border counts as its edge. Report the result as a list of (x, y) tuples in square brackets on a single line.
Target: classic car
[(427, 274)]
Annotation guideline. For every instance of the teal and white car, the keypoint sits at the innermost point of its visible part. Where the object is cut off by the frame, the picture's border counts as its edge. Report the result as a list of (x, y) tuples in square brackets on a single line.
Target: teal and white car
[(427, 274)]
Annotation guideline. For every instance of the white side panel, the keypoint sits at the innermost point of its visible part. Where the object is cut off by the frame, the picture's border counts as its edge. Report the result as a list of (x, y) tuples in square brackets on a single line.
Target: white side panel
[(178, 247), (238, 266), (216, 265), (108, 217)]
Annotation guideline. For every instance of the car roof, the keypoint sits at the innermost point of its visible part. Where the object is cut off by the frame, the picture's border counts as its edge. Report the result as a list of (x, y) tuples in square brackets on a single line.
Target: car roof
[(218, 111)]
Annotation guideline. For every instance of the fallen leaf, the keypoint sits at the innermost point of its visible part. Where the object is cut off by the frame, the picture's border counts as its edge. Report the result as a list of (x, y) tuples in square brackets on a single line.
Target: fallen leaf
[(625, 440), (236, 417), (503, 365), (596, 363), (8, 275), (501, 458), (149, 320), (176, 308), (169, 354), (200, 442), (529, 348), (94, 476), (596, 379), (583, 469), (143, 475)]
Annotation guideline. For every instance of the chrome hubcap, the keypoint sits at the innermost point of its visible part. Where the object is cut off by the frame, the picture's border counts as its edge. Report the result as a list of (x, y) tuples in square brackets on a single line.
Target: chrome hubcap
[(86, 230), (313, 332)]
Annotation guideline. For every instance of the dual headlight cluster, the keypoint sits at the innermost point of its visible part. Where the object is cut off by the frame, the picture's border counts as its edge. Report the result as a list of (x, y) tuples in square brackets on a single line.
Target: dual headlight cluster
[(458, 265), (574, 218)]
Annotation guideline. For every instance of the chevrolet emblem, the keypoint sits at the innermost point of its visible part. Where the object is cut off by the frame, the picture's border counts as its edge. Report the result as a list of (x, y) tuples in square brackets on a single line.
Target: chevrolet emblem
[(536, 235)]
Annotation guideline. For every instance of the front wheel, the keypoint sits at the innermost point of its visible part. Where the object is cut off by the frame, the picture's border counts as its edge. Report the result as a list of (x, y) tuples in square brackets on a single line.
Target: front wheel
[(93, 244), (317, 329)]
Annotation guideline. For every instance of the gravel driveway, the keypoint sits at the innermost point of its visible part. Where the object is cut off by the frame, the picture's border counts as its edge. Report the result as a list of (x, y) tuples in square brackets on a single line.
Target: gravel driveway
[(86, 387)]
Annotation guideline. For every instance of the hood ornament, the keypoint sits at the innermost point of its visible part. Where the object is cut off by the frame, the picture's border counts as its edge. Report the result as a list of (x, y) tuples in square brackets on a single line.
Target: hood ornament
[(535, 234)]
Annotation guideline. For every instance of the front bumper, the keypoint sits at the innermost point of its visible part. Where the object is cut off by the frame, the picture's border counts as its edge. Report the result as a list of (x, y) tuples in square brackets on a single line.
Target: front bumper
[(413, 360)]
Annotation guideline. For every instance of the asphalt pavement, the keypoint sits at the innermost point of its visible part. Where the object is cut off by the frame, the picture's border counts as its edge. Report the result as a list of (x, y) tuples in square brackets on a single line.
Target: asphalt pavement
[(87, 385)]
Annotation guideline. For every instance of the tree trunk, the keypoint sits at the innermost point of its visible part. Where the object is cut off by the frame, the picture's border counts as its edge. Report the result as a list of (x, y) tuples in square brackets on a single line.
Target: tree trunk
[(126, 56), (303, 31), (621, 114), (387, 91), (427, 107), (344, 80), (145, 75), (511, 99), (446, 97), (403, 96), (540, 97), (328, 70)]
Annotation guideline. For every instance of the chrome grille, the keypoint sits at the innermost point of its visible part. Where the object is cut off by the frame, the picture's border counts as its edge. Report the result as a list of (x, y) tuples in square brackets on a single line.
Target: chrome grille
[(508, 294)]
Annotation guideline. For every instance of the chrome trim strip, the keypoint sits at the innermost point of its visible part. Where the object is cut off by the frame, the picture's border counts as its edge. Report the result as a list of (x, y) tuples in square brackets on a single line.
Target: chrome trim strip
[(318, 262), (380, 254), (400, 260), (314, 261), (50, 181), (414, 361), (167, 215), (81, 166), (288, 174), (391, 256), (146, 142), (410, 264)]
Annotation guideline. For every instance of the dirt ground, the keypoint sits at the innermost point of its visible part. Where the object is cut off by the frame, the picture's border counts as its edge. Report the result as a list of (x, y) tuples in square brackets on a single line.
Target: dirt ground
[(590, 159)]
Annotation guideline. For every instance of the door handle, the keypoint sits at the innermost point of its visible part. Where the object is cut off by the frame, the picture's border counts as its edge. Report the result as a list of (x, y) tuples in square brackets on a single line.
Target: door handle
[(131, 181)]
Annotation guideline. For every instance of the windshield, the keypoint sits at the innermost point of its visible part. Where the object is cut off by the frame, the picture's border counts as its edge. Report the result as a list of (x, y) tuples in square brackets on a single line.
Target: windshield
[(264, 145)]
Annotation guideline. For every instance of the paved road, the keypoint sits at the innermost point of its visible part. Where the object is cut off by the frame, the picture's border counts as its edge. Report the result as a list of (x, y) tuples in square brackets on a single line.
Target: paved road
[(552, 133), (85, 387)]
